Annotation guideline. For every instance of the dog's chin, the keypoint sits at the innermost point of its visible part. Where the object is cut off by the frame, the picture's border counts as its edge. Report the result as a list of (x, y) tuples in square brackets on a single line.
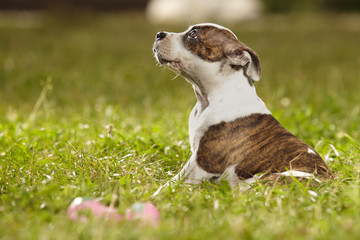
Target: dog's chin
[(175, 64)]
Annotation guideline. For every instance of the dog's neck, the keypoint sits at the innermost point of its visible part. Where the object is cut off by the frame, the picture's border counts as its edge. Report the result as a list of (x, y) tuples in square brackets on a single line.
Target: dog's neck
[(234, 92)]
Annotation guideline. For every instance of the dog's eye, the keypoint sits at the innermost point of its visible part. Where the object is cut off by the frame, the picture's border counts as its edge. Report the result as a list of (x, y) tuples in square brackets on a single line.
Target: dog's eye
[(193, 34)]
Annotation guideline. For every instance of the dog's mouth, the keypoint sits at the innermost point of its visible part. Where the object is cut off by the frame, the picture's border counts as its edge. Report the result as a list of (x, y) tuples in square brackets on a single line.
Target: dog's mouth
[(170, 63), (175, 64)]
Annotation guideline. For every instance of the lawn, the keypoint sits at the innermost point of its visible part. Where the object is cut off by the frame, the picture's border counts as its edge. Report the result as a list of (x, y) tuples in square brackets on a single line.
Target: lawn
[(85, 111)]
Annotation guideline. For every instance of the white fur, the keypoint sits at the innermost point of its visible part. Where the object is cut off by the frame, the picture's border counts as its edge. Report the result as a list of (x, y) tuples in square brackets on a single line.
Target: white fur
[(233, 99), (230, 176), (191, 173), (299, 174), (229, 94), (311, 151), (245, 185)]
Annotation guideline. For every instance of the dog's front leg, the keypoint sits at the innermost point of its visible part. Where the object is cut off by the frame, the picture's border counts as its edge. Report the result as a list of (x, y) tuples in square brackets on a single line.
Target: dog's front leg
[(191, 173)]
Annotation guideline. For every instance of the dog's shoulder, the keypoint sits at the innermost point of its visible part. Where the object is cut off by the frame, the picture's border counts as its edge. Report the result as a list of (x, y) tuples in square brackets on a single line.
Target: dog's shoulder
[(256, 144)]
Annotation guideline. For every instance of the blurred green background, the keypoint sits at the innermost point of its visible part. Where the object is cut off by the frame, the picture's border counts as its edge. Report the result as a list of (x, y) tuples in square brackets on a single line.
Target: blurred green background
[(91, 57), (91, 53)]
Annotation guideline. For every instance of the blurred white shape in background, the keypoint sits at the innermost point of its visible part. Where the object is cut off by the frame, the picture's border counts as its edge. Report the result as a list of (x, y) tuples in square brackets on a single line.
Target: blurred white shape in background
[(195, 11)]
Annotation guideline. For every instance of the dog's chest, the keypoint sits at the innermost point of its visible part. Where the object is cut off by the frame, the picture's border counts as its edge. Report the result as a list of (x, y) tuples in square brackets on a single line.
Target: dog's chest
[(229, 108), (255, 144)]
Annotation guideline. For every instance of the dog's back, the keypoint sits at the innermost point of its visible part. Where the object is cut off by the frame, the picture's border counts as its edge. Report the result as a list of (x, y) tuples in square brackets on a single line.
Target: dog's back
[(256, 144)]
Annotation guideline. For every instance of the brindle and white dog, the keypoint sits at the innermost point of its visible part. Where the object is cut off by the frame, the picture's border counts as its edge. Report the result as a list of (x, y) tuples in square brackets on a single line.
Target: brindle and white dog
[(233, 135)]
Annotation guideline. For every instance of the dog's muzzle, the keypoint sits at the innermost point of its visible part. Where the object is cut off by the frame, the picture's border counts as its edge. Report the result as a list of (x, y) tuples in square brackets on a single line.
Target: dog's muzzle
[(161, 55)]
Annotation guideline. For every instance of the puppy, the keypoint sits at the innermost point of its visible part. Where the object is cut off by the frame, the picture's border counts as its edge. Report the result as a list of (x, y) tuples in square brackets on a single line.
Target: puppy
[(233, 136)]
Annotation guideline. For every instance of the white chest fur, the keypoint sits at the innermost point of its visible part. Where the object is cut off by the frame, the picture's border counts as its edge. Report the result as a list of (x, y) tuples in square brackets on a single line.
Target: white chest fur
[(235, 98)]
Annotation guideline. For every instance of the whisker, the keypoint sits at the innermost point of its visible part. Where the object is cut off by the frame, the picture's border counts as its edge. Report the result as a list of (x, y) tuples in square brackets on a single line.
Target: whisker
[(175, 76)]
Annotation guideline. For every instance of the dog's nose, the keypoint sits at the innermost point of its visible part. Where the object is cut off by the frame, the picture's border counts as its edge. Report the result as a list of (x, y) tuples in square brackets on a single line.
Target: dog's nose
[(160, 35)]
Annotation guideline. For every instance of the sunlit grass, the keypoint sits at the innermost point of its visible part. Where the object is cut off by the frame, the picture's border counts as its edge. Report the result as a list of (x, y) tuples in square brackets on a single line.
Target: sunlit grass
[(85, 111)]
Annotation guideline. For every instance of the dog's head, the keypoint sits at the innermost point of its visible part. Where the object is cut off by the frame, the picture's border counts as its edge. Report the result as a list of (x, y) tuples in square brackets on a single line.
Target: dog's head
[(206, 51)]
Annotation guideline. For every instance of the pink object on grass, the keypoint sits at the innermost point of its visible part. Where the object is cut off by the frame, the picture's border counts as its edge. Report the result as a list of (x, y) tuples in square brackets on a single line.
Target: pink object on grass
[(79, 206), (146, 213)]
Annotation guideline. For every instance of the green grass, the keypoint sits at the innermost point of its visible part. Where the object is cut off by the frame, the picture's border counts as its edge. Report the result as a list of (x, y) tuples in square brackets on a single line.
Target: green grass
[(64, 80)]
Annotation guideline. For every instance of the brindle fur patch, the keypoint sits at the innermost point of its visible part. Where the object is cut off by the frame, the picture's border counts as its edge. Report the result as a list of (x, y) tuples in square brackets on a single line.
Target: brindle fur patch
[(256, 144), (210, 42)]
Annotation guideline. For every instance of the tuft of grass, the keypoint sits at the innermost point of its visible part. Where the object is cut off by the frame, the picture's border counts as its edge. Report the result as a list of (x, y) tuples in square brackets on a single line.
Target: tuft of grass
[(85, 111)]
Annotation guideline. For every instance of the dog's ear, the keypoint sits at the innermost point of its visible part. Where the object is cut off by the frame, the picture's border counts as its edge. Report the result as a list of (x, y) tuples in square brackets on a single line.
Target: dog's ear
[(240, 55)]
